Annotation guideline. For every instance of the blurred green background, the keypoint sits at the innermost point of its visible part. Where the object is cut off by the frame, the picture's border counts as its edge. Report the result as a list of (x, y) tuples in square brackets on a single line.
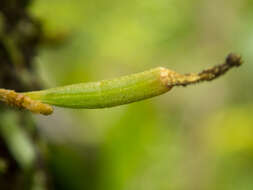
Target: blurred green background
[(192, 138)]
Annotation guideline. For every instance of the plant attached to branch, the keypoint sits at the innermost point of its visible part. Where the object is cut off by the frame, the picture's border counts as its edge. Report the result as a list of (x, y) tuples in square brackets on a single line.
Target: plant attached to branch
[(114, 92)]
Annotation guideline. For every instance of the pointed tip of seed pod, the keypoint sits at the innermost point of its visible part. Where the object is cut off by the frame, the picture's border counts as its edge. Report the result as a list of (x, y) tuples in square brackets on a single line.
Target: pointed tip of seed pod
[(234, 59)]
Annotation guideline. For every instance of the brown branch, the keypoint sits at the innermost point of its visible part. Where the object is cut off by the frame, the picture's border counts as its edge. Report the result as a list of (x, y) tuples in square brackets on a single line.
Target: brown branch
[(21, 101)]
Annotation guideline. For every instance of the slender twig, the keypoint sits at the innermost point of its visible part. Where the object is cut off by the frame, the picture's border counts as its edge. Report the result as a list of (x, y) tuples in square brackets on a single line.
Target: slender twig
[(232, 60), (21, 101)]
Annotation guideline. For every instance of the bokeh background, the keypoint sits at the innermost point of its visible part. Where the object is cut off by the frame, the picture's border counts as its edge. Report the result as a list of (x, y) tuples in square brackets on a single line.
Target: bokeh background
[(199, 137)]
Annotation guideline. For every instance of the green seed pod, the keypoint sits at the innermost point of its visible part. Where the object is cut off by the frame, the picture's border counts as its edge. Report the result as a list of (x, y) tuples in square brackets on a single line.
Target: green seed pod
[(107, 93), (114, 92)]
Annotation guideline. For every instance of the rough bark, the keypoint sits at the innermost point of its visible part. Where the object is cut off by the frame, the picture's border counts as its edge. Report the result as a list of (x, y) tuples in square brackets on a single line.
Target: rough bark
[(19, 39)]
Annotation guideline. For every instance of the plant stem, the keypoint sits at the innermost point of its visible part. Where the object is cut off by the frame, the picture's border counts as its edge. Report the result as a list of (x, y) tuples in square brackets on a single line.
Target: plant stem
[(232, 60)]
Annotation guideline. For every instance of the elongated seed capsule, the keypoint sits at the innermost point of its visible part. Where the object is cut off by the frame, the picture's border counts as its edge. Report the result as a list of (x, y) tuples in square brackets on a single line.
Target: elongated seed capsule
[(114, 92), (107, 93), (127, 89)]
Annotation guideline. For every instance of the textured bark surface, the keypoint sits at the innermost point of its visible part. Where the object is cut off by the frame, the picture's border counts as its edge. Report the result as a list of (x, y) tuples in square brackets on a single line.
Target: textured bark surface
[(19, 39)]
